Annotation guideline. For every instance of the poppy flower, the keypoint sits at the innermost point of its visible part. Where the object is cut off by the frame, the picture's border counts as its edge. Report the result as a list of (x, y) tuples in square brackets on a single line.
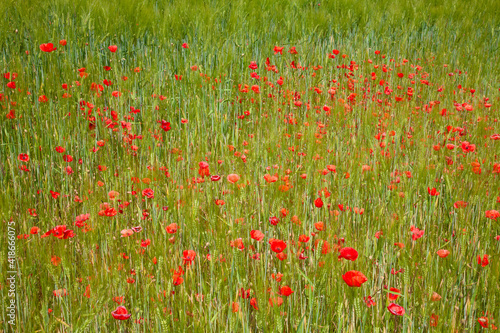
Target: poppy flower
[(257, 235), (121, 313), (185, 45), (394, 297), (55, 260), (416, 233), (435, 297), (281, 256), (215, 178), (433, 191), (396, 310), (460, 204), (286, 291), (233, 178), (484, 261), (443, 253), (48, 47), (273, 220), (434, 320), (165, 125), (492, 214), (171, 228), (483, 321), (348, 253), (319, 226), (148, 193), (63, 42), (113, 48), (304, 238), (277, 245), (137, 229), (253, 303), (188, 256), (278, 49), (354, 278), (369, 301), (318, 203), (277, 300), (253, 65), (11, 85), (127, 232), (235, 306), (23, 157)]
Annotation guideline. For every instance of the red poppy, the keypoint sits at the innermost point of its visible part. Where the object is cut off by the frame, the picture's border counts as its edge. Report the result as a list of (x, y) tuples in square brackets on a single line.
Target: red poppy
[(369, 301), (113, 48), (273, 220), (253, 65), (23, 157), (257, 235), (492, 214), (286, 291), (483, 262), (318, 203), (483, 321), (278, 49), (171, 228), (11, 85), (148, 193), (49, 47), (59, 232), (435, 297), (394, 297), (416, 233), (63, 42), (304, 238), (319, 226), (253, 303), (277, 300), (277, 245), (185, 45), (396, 309), (233, 178), (215, 178), (432, 191), (434, 320), (354, 278), (443, 253), (188, 256), (60, 149), (55, 260), (121, 313), (460, 204), (204, 169), (281, 256), (348, 253)]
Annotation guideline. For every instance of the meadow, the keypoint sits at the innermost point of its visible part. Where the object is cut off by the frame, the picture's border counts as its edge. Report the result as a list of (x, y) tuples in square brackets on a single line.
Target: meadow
[(250, 166)]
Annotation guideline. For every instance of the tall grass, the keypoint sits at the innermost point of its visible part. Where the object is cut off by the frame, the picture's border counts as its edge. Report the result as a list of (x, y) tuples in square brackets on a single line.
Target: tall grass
[(223, 38)]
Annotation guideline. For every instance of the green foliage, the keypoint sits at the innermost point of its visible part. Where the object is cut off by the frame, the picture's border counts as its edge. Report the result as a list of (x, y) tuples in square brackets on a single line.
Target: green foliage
[(223, 38)]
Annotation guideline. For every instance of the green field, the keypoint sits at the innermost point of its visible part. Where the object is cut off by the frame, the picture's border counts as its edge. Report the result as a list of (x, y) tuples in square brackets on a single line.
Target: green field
[(357, 146)]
